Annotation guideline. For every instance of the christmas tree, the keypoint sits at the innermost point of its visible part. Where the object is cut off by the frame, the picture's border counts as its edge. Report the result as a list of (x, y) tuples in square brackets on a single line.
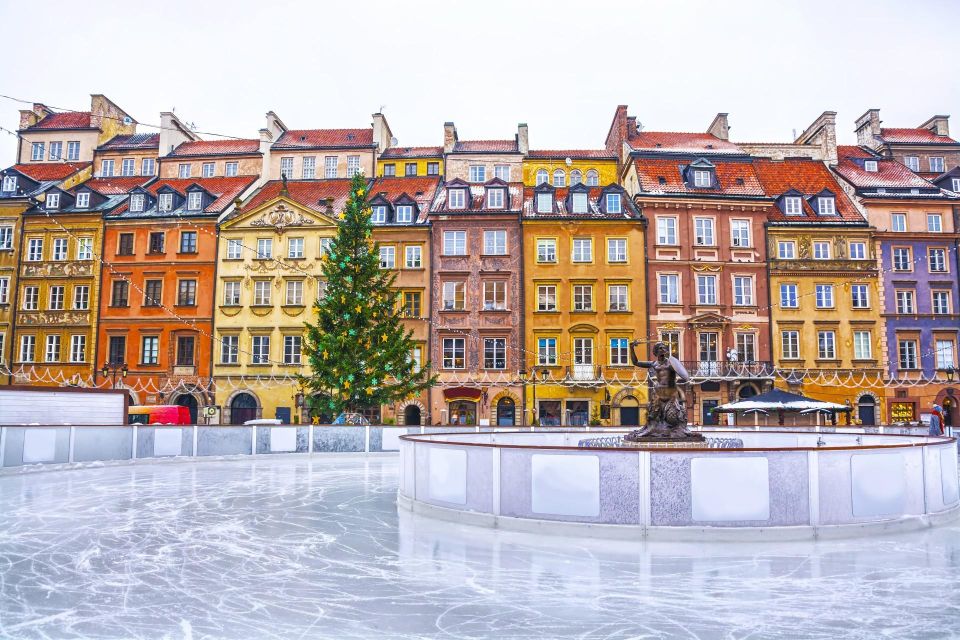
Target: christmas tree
[(359, 352)]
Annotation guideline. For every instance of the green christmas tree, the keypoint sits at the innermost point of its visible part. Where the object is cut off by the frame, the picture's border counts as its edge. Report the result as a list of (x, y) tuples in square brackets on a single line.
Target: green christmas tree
[(359, 352)]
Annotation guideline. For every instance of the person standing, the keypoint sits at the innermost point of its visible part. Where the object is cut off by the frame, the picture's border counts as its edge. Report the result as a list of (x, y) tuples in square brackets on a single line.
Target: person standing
[(936, 420)]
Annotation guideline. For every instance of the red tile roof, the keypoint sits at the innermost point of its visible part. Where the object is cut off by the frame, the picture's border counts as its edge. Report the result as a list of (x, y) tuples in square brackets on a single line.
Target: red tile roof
[(146, 141), (420, 189), (217, 148), (889, 173), (115, 186), (308, 193), (226, 189), (486, 146), (412, 152), (586, 154), (729, 175), (808, 177), (65, 120), (50, 170), (914, 136), (679, 142), (324, 138)]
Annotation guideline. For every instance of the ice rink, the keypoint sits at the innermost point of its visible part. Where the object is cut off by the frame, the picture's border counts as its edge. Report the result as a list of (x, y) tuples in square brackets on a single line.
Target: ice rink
[(292, 547)]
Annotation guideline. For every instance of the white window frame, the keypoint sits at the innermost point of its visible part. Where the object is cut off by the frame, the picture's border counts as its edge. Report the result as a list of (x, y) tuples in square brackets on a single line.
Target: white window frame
[(870, 166), (559, 178), (938, 265), (457, 198), (501, 172), (940, 303), (898, 222), (859, 296), (388, 257), (546, 251), (704, 235), (234, 249), (821, 250), (148, 166), (262, 293), (404, 214), (78, 348), (28, 348), (862, 345), (330, 166), (707, 289), (294, 293), (260, 349), (379, 214), (701, 178), (183, 170), (495, 198), (824, 296), (231, 293), (353, 166), (545, 202), (494, 295), (264, 248), (912, 162), (826, 206), (789, 295), (52, 201), (453, 296), (579, 202), (51, 352), (231, 169), (786, 250), (742, 291), (495, 242), (59, 252), (478, 173), (292, 349), (582, 250), (547, 351), (229, 349), (936, 164), (740, 233), (546, 297), (73, 150), (617, 250), (165, 202), (454, 352), (454, 243), (790, 344), (667, 230), (83, 200), (286, 167), (128, 167), (793, 206), (34, 249), (668, 287), (194, 201), (614, 203), (858, 250), (583, 297), (85, 248), (827, 344), (934, 223), (295, 247)]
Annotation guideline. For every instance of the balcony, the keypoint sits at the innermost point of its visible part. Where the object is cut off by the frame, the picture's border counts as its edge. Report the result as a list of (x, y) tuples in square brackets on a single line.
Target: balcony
[(717, 370), (585, 374)]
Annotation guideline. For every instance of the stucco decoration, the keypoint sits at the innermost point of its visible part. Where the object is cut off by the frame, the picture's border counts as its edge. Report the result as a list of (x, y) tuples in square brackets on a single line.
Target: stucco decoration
[(280, 218), (69, 269), (54, 318)]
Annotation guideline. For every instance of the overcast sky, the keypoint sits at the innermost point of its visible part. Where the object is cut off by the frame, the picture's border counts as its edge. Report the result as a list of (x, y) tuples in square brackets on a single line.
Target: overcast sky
[(561, 67)]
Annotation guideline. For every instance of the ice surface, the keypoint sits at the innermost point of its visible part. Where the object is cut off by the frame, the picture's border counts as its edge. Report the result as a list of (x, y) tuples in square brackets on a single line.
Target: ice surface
[(285, 547)]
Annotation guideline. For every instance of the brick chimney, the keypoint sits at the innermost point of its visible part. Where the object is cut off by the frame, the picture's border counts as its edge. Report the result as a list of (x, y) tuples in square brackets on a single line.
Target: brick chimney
[(30, 117), (940, 125), (523, 138), (449, 136), (720, 127), (823, 133), (617, 134), (868, 128)]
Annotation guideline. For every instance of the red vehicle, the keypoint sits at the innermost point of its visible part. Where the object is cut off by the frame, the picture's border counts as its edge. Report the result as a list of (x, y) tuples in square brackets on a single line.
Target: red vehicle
[(159, 414)]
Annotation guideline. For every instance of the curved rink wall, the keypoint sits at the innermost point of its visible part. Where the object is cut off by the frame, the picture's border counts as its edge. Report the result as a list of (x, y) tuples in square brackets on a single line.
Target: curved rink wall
[(781, 485)]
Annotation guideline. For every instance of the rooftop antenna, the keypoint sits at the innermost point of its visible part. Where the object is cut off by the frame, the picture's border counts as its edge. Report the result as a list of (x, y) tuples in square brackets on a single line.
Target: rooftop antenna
[(794, 133), (639, 126), (382, 107)]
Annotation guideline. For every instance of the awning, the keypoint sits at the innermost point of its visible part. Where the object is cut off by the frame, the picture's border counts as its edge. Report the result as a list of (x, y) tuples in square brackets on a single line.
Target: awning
[(779, 400), (461, 393)]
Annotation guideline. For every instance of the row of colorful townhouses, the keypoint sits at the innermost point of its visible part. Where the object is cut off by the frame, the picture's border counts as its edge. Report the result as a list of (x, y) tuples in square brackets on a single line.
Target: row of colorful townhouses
[(183, 269)]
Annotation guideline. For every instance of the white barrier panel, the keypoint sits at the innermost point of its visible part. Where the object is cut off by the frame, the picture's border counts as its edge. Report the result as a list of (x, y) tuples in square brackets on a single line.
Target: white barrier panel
[(565, 485), (730, 489), (167, 441), (283, 439), (448, 475), (390, 439), (39, 445), (949, 480), (879, 484)]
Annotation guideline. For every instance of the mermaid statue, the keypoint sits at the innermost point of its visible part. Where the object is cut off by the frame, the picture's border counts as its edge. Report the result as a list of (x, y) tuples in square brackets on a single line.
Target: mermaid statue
[(667, 411)]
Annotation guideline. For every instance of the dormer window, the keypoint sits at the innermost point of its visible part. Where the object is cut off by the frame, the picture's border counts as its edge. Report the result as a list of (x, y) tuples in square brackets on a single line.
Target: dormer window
[(495, 198), (53, 201), (457, 198), (83, 200), (544, 203), (579, 201), (137, 201), (870, 165), (701, 178), (194, 201), (379, 215), (404, 213), (165, 202), (827, 206), (954, 184), (613, 203), (542, 177), (9, 184), (793, 206)]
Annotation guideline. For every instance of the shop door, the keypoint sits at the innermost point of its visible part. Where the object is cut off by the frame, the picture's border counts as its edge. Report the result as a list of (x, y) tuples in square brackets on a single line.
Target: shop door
[(708, 415)]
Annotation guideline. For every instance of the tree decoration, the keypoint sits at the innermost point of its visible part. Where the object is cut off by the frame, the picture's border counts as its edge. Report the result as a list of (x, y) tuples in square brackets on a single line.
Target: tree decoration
[(358, 330)]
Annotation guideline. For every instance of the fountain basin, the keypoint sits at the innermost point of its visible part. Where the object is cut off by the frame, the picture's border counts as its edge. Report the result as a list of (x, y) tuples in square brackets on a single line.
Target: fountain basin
[(777, 485)]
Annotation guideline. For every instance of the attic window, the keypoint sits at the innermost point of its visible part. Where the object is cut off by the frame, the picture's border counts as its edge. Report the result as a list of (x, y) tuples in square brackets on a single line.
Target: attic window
[(404, 213), (136, 202), (827, 206), (740, 181), (457, 198), (661, 180), (579, 202), (83, 200), (870, 165), (303, 138), (349, 136), (53, 201), (709, 146), (658, 145), (194, 201), (792, 206), (165, 202), (379, 215), (495, 198), (701, 178), (544, 203), (9, 184)]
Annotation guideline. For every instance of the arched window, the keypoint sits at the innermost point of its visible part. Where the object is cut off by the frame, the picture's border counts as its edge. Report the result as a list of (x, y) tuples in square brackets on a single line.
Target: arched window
[(542, 176), (576, 177), (559, 178), (593, 178)]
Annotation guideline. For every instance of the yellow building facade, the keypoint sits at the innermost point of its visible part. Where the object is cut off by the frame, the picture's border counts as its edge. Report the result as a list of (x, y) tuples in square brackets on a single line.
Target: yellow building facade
[(410, 162), (585, 301), (270, 274), (565, 168)]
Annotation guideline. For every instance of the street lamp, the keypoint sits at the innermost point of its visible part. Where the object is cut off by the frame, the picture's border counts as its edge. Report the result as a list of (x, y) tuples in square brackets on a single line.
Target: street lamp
[(113, 368), (544, 374), (950, 371)]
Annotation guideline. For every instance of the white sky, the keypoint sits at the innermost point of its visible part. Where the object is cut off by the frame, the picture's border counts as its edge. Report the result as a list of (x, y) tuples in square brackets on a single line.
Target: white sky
[(561, 67)]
